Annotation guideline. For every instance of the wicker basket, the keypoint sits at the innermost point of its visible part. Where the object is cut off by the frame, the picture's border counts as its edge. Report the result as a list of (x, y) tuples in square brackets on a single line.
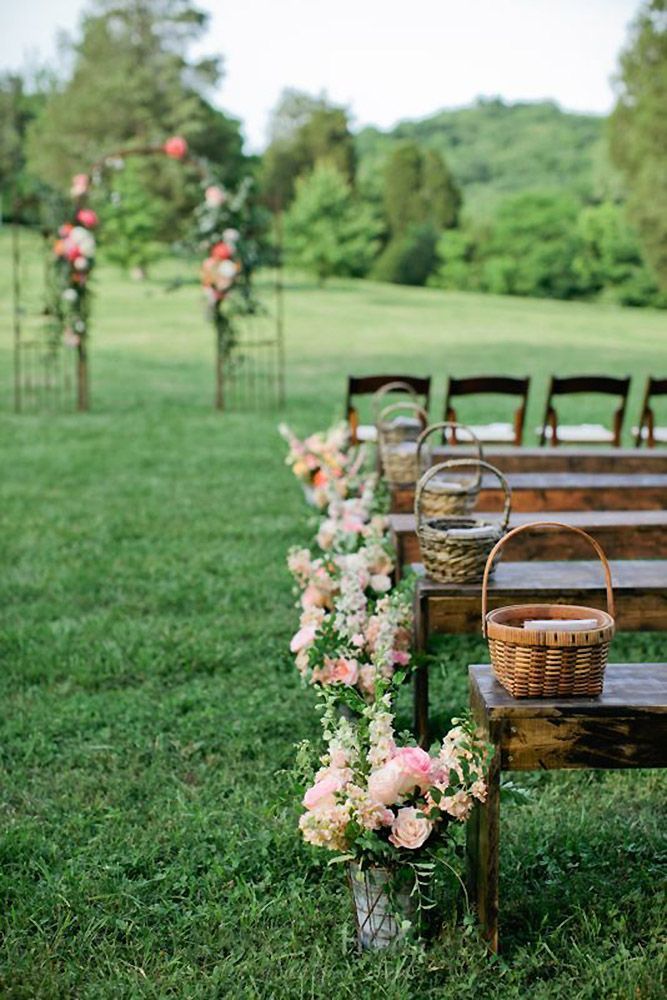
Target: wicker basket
[(554, 662), (455, 549), (404, 428), (447, 496), (385, 390), (397, 440)]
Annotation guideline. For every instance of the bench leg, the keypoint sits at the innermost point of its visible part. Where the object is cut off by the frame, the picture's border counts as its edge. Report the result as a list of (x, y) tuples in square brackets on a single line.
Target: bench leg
[(482, 857)]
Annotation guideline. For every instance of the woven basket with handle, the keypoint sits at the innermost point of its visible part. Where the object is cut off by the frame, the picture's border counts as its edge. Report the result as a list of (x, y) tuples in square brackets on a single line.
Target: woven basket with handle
[(453, 494), (397, 439), (455, 549), (552, 662)]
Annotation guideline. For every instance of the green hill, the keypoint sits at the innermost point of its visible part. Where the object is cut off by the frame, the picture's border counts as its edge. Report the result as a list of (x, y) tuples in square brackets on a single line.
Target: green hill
[(495, 149)]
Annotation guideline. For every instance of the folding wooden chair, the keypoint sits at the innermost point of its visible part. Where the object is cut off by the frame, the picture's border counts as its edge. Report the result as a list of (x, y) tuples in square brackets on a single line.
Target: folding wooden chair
[(366, 385), (555, 433), (498, 432), (647, 432)]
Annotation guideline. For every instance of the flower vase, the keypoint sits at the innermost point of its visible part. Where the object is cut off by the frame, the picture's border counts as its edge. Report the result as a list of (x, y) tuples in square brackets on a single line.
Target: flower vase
[(379, 916)]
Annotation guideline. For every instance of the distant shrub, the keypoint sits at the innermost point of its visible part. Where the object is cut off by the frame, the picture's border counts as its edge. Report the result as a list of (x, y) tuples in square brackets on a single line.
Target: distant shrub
[(408, 259)]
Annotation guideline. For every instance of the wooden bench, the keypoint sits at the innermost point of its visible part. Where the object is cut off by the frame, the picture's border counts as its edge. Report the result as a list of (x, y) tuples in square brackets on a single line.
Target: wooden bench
[(564, 459), (539, 491), (640, 591), (626, 727), (623, 534)]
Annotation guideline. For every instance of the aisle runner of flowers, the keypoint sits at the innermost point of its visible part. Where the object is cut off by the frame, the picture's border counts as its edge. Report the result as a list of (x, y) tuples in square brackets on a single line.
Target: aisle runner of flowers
[(385, 808)]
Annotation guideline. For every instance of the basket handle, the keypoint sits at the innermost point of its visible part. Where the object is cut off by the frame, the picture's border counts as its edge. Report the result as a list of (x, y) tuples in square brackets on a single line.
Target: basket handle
[(547, 524), (448, 425), (406, 404), (454, 463), (391, 387)]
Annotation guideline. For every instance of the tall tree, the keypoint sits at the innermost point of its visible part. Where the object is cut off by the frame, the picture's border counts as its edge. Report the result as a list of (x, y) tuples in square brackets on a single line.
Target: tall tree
[(419, 189), (638, 130), (402, 187), (304, 131), (327, 231), (440, 193), (133, 81), (19, 105)]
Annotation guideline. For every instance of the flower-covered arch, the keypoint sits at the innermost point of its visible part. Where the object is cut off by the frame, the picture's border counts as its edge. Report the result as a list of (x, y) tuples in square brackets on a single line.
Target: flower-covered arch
[(221, 233)]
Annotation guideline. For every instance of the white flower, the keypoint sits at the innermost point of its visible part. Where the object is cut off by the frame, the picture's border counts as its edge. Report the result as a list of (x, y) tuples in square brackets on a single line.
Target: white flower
[(84, 239), (69, 295), (227, 269), (230, 235)]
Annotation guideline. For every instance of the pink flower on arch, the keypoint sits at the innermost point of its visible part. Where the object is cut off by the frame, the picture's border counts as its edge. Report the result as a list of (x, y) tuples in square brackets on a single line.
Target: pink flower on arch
[(87, 217), (176, 147)]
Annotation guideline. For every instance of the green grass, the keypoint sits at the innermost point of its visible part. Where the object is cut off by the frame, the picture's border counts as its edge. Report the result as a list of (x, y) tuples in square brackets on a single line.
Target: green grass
[(148, 843)]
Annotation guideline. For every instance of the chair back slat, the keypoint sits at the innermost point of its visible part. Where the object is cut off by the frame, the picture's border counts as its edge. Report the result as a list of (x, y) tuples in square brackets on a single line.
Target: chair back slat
[(501, 385), (571, 384)]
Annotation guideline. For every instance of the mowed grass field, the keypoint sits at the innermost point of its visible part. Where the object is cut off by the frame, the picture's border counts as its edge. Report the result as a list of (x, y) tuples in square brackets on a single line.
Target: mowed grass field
[(148, 843)]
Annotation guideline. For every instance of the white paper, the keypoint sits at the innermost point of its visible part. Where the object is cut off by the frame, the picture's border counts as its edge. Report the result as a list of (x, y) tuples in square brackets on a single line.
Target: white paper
[(560, 624)]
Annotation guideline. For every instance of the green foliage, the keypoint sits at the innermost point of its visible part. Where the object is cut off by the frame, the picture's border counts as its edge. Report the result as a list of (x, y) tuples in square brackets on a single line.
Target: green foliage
[(409, 258), (327, 230), (131, 219), (610, 258), (494, 149), (638, 130), (545, 245), (148, 841), (304, 131), (133, 83), (418, 188), (18, 107)]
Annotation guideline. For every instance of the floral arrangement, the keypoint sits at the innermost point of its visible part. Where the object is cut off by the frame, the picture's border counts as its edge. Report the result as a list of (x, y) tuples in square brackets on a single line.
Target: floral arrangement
[(383, 805), (75, 246), (375, 801), (325, 464), (74, 255), (224, 221)]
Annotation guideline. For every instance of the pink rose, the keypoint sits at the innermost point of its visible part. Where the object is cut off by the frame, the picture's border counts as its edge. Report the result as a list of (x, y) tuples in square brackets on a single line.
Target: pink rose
[(409, 829), (415, 765), (87, 217), (304, 637), (79, 185), (399, 657), (408, 769), (215, 196), (385, 784), (313, 597), (322, 793), (380, 583), (345, 671), (176, 147)]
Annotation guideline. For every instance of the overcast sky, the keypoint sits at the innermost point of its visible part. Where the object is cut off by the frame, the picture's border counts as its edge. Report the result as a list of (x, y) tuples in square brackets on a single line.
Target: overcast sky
[(385, 59)]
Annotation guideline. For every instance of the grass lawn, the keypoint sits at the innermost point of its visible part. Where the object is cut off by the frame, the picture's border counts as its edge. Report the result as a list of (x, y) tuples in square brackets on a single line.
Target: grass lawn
[(148, 843)]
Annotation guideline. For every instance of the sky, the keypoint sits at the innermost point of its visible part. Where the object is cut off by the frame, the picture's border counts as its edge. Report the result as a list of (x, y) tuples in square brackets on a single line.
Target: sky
[(384, 59)]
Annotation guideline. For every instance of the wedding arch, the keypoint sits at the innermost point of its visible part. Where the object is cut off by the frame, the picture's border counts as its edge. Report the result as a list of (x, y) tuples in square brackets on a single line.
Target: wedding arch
[(249, 335)]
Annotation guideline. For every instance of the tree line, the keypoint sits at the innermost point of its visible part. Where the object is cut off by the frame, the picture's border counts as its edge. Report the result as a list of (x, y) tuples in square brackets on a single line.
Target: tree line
[(521, 200)]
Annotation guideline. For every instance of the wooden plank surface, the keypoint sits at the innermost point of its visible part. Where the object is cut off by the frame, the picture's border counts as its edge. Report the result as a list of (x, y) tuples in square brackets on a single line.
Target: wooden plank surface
[(564, 459), (640, 593), (636, 688), (540, 491), (623, 534), (625, 727)]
